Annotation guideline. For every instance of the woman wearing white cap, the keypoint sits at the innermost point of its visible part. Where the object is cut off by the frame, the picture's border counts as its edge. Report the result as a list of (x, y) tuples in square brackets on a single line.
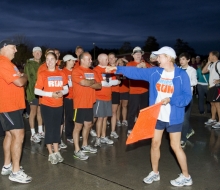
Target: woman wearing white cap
[(166, 86), (67, 65)]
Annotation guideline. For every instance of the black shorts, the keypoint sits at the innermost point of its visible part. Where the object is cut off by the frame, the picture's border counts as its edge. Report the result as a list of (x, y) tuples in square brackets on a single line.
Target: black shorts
[(12, 120), (115, 98), (124, 96), (34, 102), (83, 114), (213, 94)]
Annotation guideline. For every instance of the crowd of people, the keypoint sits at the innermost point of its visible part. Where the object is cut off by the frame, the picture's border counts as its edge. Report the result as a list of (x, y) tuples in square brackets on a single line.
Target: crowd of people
[(73, 96)]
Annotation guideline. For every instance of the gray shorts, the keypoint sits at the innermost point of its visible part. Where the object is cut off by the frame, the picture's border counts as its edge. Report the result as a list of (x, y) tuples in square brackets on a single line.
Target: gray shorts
[(102, 108), (34, 102)]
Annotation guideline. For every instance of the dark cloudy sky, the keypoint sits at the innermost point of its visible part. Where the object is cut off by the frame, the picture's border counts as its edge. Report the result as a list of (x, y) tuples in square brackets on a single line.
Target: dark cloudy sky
[(67, 23)]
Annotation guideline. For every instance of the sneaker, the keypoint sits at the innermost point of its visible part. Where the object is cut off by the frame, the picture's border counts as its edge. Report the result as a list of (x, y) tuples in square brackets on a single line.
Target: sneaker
[(88, 149), (41, 135), (125, 123), (80, 155), (7, 171), (20, 177), (59, 157), (118, 123), (183, 144), (25, 115), (93, 133), (152, 176), (70, 140), (106, 140), (114, 134), (129, 132), (62, 144), (216, 126), (97, 142), (210, 122), (182, 181), (108, 123), (188, 135), (53, 158), (35, 138)]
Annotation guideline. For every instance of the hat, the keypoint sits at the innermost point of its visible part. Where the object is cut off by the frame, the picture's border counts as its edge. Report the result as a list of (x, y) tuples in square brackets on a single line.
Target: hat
[(153, 56), (36, 49), (137, 50), (166, 50), (7, 42), (68, 57)]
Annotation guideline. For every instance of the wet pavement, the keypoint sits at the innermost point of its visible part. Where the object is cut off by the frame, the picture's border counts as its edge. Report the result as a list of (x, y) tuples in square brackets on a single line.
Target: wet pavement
[(118, 167)]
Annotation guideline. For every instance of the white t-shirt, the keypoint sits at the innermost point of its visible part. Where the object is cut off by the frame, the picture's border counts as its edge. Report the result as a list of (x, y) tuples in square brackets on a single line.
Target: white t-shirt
[(165, 89), (213, 74)]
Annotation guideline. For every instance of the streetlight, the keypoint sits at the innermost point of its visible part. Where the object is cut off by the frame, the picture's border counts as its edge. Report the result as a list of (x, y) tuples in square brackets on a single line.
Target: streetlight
[(94, 50)]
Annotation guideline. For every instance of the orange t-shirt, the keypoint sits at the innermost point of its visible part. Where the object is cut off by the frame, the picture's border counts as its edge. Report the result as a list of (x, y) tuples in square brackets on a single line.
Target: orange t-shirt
[(51, 81), (12, 97), (137, 86), (77, 64), (105, 93), (68, 74), (124, 86), (83, 96)]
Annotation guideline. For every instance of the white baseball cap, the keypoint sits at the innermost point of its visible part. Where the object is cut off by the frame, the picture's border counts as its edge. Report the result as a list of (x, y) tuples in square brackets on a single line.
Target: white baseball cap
[(137, 50), (166, 50), (68, 57), (36, 49)]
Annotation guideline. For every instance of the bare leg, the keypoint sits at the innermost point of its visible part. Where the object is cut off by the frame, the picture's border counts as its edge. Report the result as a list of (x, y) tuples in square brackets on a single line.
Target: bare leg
[(55, 146), (217, 105), (213, 110), (76, 131), (39, 117), (6, 147), (119, 111), (114, 115), (86, 130), (104, 126), (49, 148), (99, 126), (16, 147), (33, 113), (180, 155), (124, 109), (155, 149)]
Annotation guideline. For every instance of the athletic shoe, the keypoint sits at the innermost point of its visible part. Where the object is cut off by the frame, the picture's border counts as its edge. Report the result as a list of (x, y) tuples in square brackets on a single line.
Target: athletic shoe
[(25, 115), (188, 135), (216, 126), (182, 181), (62, 144), (80, 137), (93, 133), (7, 171), (35, 138), (20, 177), (70, 140), (41, 135), (210, 122), (183, 144), (114, 134), (53, 158), (108, 123), (97, 142), (80, 155), (88, 149), (125, 123), (118, 123), (59, 157), (129, 132), (106, 140), (152, 176)]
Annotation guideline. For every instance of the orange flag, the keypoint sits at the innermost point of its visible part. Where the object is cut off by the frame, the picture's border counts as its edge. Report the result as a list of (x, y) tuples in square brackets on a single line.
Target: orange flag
[(145, 124)]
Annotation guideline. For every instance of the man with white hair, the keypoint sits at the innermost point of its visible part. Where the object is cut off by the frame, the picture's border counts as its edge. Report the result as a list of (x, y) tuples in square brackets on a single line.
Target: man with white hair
[(12, 104), (30, 69)]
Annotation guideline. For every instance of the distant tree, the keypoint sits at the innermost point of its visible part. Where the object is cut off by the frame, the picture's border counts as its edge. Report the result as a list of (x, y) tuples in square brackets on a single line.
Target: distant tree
[(182, 46), (125, 48), (151, 44), (96, 51), (22, 39), (23, 53)]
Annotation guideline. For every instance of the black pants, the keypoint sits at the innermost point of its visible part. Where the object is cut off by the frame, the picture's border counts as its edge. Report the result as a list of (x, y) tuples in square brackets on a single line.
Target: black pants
[(68, 112), (52, 118), (136, 103)]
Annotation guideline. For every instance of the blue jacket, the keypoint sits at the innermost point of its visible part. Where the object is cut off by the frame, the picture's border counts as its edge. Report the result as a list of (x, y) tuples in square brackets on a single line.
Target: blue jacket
[(182, 94)]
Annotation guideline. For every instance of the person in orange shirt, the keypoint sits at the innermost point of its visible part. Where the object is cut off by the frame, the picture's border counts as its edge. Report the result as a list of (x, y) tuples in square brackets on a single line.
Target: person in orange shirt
[(57, 52), (67, 66), (138, 94), (52, 85), (124, 96), (12, 101), (85, 82), (103, 107), (115, 97), (78, 51)]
